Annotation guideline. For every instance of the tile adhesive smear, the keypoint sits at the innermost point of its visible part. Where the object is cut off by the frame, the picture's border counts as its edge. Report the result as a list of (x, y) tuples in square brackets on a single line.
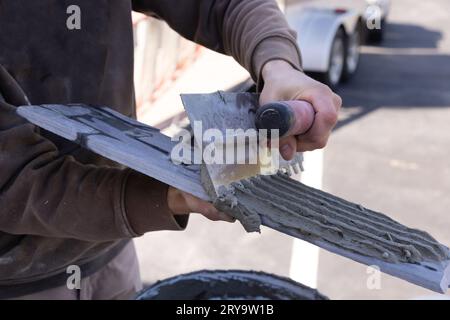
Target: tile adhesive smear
[(342, 227)]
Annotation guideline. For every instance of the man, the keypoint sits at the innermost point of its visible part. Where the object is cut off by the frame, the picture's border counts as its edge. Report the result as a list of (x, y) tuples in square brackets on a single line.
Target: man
[(61, 205)]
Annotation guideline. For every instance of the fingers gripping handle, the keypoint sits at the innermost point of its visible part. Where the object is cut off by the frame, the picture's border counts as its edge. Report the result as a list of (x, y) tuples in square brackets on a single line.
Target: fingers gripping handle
[(289, 117)]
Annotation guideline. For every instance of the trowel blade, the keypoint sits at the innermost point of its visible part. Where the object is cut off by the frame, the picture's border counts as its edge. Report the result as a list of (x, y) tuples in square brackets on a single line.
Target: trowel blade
[(224, 111)]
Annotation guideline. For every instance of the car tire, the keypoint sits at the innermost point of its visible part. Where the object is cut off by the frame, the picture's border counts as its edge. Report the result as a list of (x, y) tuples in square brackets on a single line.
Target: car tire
[(332, 77), (352, 52)]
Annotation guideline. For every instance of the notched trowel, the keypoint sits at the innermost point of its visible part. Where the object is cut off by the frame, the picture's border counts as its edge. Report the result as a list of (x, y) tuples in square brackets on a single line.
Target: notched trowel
[(242, 130)]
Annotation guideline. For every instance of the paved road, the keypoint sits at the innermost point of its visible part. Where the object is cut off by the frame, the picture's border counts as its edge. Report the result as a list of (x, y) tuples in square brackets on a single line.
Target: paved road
[(392, 151)]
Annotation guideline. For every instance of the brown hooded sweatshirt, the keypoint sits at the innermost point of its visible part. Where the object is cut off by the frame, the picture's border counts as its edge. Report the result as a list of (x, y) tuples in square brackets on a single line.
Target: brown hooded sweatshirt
[(61, 204)]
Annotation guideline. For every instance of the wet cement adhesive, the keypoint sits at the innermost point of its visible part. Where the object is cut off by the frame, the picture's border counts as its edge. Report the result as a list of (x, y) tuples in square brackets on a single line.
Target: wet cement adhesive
[(316, 214), (337, 225)]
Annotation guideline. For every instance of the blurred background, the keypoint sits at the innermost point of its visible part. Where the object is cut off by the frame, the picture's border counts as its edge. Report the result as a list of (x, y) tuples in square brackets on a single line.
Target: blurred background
[(390, 62)]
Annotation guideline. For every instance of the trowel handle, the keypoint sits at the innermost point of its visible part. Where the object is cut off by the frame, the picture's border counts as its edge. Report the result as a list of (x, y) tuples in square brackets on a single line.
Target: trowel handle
[(289, 117)]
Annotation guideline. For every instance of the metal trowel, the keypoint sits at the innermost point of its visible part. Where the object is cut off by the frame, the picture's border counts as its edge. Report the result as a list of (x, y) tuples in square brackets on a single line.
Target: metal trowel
[(238, 121)]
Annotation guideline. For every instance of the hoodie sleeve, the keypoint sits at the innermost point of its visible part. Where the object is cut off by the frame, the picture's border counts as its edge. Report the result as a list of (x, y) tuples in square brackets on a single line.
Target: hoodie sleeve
[(48, 194), (252, 31)]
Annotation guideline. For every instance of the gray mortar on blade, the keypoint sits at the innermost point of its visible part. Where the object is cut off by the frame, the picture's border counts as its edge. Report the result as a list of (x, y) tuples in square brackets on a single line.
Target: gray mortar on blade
[(318, 215)]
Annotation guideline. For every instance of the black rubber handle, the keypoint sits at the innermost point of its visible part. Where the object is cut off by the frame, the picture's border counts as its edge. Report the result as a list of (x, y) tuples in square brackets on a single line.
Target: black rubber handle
[(275, 115)]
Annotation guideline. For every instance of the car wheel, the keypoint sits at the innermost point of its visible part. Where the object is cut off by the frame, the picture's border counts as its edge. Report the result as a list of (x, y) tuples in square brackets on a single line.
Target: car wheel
[(333, 75), (352, 53)]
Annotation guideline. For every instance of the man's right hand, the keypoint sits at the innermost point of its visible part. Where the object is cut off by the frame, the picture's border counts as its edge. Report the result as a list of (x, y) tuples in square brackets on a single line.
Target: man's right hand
[(284, 83), (181, 203)]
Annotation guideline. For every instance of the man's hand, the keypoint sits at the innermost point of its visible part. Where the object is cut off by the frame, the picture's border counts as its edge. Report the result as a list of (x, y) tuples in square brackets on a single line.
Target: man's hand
[(180, 203), (283, 83)]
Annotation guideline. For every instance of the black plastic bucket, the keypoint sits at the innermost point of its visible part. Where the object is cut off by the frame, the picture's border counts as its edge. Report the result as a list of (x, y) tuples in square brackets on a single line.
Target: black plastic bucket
[(229, 284)]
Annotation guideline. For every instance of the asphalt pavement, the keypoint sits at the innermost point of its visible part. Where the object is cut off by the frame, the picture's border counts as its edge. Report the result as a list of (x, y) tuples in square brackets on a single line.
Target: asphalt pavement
[(391, 150)]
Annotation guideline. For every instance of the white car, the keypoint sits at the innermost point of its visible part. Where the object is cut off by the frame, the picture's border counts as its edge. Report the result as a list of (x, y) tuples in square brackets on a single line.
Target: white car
[(330, 33)]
